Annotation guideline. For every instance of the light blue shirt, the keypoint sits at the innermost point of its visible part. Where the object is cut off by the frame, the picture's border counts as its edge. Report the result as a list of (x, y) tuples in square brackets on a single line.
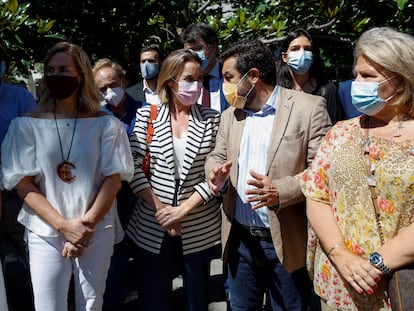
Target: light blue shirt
[(253, 151), (14, 102)]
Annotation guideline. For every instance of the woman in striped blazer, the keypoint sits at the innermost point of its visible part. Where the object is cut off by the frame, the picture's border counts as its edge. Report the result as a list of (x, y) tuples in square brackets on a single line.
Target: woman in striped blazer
[(176, 216)]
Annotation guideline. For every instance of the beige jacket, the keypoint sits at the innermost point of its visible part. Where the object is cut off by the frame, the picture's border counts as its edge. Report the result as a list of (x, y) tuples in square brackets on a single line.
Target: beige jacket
[(300, 124)]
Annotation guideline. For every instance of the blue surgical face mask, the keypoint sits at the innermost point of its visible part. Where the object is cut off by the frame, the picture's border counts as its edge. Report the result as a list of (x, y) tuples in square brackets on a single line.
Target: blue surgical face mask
[(300, 61), (365, 97), (204, 60), (149, 70)]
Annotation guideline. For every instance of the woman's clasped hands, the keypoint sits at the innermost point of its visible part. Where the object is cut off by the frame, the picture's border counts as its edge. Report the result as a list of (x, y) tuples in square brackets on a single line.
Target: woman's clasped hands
[(78, 234), (169, 218)]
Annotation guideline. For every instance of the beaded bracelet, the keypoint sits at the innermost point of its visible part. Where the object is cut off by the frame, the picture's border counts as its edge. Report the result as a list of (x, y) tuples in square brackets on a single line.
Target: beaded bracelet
[(333, 248)]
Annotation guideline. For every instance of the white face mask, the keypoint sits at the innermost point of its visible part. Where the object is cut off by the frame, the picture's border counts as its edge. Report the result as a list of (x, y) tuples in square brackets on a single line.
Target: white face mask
[(113, 96)]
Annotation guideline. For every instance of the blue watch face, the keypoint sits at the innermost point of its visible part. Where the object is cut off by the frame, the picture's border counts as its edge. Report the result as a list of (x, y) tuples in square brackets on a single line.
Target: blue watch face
[(375, 258)]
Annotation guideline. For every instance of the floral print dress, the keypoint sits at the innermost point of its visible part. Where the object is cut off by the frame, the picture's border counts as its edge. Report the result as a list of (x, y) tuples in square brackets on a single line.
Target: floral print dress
[(338, 176)]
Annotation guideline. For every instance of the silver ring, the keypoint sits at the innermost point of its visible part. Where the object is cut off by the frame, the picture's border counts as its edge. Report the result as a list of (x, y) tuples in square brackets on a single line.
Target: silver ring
[(352, 276)]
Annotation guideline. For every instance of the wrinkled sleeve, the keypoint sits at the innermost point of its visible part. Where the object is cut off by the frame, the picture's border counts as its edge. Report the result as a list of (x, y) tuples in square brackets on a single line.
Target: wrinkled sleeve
[(18, 154), (219, 154), (314, 180), (203, 188), (116, 151)]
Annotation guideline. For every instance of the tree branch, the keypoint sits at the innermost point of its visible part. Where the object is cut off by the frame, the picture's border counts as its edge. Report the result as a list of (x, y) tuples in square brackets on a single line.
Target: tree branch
[(204, 6), (315, 26)]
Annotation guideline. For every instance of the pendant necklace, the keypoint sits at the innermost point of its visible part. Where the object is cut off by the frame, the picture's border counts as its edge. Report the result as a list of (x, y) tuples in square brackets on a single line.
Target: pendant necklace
[(64, 169), (370, 164)]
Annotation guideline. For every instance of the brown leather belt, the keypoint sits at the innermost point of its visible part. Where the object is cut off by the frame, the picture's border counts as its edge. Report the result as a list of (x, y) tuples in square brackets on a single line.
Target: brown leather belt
[(259, 232)]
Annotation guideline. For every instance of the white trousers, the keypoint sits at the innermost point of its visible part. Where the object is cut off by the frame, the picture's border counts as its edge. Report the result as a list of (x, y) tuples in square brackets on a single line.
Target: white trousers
[(51, 272), (3, 300)]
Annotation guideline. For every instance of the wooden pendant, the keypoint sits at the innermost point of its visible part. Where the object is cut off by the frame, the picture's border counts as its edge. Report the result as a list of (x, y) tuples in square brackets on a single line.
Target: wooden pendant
[(64, 171)]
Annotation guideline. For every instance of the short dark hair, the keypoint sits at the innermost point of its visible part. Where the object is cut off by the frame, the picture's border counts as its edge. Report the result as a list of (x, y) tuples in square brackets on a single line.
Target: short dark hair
[(151, 47), (198, 31), (253, 54)]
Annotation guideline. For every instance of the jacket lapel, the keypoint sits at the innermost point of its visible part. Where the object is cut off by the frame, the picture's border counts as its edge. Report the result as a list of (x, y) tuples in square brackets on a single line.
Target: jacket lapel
[(195, 136), (283, 111), (162, 132), (235, 133)]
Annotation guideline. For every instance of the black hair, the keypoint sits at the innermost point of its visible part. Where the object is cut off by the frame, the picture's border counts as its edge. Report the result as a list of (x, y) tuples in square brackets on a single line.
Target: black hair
[(253, 54), (316, 71), (194, 32), (152, 47)]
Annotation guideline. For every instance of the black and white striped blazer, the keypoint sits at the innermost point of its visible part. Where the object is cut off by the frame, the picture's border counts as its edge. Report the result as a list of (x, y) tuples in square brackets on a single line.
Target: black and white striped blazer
[(201, 228)]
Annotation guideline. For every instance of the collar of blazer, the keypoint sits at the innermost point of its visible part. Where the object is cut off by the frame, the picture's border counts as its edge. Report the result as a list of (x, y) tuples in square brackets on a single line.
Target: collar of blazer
[(162, 133), (284, 106)]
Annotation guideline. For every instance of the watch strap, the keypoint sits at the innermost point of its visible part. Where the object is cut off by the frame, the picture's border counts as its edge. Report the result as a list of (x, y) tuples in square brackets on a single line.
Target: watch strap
[(380, 264)]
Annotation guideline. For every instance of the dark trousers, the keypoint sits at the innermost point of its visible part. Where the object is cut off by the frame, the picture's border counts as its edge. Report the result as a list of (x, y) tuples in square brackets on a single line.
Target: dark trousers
[(254, 268), (119, 285), (14, 255), (157, 272), (115, 291)]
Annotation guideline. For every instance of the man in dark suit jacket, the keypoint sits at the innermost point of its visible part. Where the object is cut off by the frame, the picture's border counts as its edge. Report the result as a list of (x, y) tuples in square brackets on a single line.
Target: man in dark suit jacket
[(146, 90), (202, 39)]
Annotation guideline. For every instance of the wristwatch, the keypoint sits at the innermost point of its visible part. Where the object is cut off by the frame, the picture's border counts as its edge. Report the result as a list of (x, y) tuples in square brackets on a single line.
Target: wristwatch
[(376, 260)]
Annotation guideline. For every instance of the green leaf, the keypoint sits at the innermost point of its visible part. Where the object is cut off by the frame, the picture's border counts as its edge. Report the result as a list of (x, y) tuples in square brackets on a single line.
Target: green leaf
[(13, 6), (49, 25), (401, 4), (361, 24)]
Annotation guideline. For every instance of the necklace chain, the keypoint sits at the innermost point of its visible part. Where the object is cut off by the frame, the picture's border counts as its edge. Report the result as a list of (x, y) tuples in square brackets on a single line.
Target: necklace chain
[(60, 140), (397, 132), (371, 183)]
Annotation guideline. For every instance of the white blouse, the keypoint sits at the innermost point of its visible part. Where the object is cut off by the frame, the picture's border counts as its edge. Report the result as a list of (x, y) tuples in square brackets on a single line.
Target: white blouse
[(3, 299), (100, 148), (179, 152)]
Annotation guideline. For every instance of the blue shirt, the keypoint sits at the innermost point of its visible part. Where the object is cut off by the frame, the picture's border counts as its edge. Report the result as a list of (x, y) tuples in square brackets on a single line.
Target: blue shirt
[(344, 92), (14, 102), (253, 151)]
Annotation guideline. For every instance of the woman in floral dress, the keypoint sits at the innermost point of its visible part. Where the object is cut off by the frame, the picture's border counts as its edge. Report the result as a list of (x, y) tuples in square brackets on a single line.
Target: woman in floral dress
[(364, 170)]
